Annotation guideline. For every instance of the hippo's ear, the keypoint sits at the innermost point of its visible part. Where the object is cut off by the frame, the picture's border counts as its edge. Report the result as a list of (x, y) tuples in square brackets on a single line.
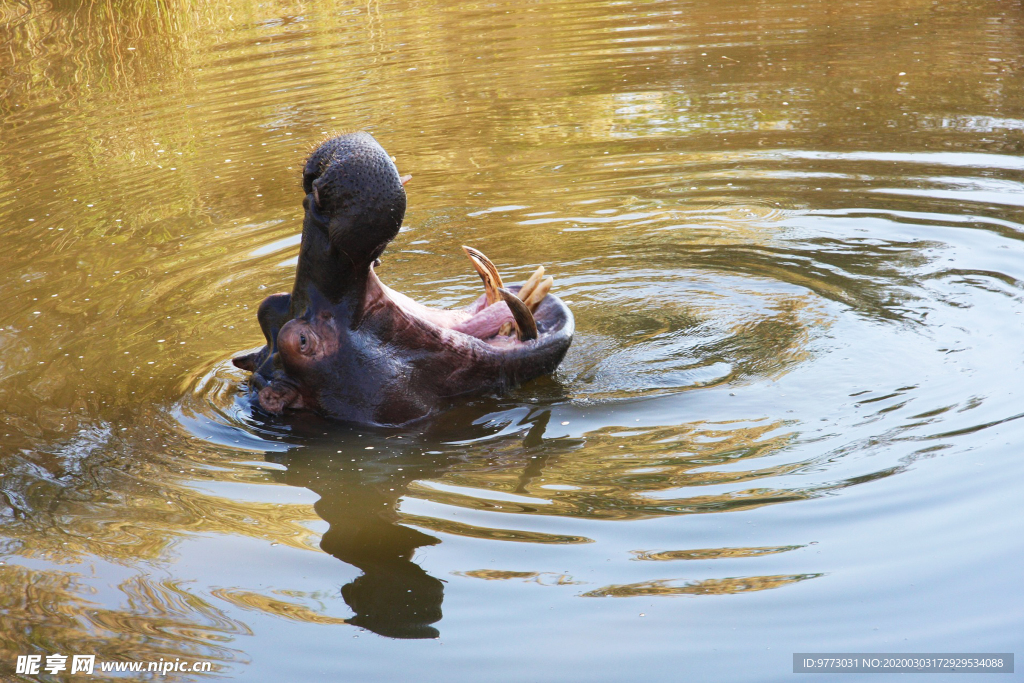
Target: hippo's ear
[(247, 362), (274, 311)]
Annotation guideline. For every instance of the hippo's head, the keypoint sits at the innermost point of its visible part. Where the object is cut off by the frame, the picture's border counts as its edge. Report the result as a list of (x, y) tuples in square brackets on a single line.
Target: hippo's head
[(344, 344)]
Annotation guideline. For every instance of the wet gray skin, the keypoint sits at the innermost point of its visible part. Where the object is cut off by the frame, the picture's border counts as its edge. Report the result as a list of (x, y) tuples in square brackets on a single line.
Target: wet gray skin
[(345, 345)]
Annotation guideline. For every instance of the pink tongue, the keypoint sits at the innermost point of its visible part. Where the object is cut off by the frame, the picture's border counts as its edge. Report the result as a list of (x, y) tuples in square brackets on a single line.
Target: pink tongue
[(487, 322)]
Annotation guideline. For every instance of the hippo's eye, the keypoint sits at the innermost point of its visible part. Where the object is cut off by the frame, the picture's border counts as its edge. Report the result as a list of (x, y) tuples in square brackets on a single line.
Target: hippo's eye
[(303, 341)]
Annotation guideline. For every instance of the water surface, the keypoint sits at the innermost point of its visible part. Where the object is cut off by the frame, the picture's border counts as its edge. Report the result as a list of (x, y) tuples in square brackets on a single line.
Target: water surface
[(791, 235)]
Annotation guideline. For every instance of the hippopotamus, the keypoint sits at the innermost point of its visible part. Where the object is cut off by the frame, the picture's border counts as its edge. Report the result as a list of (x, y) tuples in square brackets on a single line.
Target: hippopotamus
[(345, 345)]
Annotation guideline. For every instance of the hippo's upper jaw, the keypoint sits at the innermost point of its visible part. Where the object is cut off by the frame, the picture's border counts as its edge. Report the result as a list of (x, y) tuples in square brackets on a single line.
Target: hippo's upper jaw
[(345, 345)]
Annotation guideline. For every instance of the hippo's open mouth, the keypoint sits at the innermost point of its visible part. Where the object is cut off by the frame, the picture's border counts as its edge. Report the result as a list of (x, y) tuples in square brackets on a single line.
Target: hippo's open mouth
[(346, 345), (501, 317)]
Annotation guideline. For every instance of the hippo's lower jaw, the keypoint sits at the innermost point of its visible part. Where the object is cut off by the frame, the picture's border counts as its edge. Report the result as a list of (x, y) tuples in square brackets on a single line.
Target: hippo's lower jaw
[(276, 398), (274, 392), (389, 360)]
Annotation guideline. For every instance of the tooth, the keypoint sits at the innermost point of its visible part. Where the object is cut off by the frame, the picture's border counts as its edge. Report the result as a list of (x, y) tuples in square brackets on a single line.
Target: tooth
[(530, 284), (526, 326), (524, 294), (488, 273), (316, 196), (538, 294)]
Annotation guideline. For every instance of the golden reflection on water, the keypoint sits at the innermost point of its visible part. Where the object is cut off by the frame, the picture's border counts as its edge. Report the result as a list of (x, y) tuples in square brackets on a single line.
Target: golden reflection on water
[(58, 612), (542, 578), (124, 509), (280, 608), (618, 473), (674, 165), (710, 553), (744, 584)]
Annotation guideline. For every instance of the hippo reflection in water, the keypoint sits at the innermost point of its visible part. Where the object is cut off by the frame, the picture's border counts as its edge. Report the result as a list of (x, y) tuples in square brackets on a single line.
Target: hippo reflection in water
[(345, 345)]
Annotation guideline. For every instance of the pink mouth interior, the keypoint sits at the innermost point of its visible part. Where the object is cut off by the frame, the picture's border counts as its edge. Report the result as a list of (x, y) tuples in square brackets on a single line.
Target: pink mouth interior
[(477, 320)]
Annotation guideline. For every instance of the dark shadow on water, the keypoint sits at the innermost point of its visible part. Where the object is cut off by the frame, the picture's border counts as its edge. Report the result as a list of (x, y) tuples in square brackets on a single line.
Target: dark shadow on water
[(394, 596), (360, 475)]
